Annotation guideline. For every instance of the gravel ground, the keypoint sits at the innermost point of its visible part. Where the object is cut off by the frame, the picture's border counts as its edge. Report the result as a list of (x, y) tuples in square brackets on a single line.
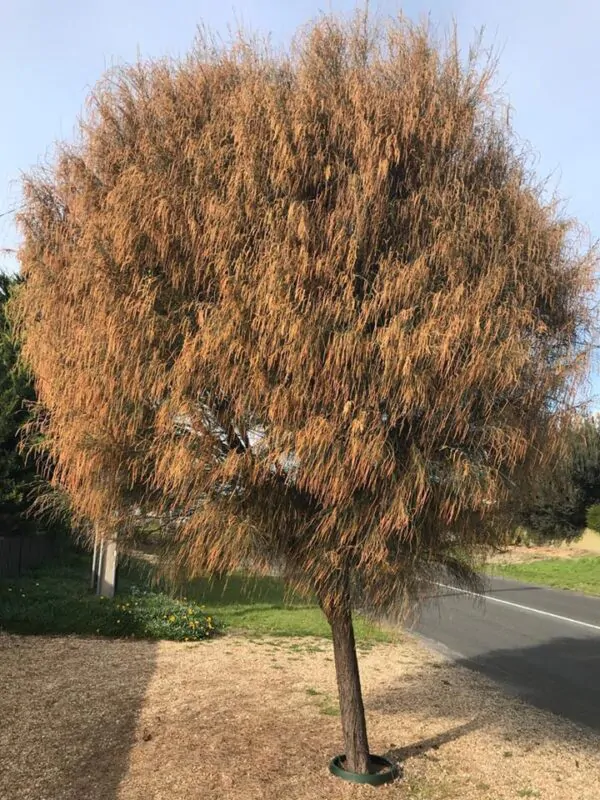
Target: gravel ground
[(92, 719)]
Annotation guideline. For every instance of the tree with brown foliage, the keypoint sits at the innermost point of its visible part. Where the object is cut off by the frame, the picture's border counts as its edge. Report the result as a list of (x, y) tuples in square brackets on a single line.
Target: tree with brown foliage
[(313, 305)]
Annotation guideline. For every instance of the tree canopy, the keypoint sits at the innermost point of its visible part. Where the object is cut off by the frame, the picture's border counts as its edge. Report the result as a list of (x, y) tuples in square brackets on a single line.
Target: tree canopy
[(313, 304)]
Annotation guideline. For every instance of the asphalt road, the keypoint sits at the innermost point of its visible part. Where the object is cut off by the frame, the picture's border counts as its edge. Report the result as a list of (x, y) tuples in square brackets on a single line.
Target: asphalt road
[(543, 644)]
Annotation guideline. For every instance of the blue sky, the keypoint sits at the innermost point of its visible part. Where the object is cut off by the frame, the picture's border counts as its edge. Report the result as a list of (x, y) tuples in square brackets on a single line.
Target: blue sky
[(53, 51)]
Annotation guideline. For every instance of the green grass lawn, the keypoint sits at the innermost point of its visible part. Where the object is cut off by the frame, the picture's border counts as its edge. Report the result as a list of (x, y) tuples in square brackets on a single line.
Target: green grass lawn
[(56, 599), (578, 574), (262, 606)]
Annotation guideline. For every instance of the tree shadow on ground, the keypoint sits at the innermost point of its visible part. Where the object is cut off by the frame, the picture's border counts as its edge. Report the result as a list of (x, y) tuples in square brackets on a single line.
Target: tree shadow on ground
[(560, 676), (400, 754), (70, 714)]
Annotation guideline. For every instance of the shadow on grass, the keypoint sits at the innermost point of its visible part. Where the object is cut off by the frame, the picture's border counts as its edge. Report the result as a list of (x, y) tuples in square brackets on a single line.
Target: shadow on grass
[(265, 591), (70, 715)]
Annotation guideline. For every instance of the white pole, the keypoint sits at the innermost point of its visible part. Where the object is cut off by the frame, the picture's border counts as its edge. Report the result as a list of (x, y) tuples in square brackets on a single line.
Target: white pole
[(99, 561), (107, 581), (94, 577)]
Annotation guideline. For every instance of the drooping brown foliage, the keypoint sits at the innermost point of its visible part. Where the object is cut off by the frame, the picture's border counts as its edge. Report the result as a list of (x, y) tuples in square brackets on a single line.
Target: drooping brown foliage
[(312, 305)]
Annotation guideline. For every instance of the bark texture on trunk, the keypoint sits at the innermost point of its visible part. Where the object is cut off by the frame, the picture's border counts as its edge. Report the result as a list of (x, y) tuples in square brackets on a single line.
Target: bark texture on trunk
[(352, 710)]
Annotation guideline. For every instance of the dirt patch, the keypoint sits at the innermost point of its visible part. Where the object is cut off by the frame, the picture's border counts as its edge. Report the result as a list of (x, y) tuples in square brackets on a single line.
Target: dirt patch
[(244, 719), (520, 554)]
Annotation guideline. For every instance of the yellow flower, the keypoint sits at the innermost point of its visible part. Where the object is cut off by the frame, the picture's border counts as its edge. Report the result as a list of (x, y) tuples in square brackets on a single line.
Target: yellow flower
[(172, 618)]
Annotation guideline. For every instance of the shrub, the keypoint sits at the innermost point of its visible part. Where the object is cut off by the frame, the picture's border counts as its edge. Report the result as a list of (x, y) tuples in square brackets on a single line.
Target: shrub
[(161, 617), (592, 517), (52, 606)]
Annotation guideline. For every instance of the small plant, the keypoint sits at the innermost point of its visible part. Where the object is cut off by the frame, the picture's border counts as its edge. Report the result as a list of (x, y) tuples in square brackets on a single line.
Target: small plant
[(313, 648), (330, 710), (329, 706)]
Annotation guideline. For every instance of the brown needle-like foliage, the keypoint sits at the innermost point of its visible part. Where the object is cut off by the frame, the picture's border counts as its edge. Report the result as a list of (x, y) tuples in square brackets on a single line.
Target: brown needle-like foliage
[(313, 305)]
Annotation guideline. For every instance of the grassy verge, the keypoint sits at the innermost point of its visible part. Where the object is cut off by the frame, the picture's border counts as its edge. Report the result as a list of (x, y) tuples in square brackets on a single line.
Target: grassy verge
[(56, 600), (578, 574)]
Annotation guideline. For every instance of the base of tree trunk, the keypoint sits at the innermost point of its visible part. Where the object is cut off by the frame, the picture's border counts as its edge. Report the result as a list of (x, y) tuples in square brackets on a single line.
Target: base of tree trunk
[(381, 771), (352, 711)]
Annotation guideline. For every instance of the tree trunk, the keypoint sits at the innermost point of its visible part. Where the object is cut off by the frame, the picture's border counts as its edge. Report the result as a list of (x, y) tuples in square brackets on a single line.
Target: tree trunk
[(354, 725)]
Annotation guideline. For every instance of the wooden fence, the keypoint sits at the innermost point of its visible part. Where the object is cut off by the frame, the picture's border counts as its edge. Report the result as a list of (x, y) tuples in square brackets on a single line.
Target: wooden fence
[(20, 553)]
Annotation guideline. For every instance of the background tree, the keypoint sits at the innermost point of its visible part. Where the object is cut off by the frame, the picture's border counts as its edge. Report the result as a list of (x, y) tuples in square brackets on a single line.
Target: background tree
[(312, 303), (556, 507), (28, 502), (592, 517), (16, 477)]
